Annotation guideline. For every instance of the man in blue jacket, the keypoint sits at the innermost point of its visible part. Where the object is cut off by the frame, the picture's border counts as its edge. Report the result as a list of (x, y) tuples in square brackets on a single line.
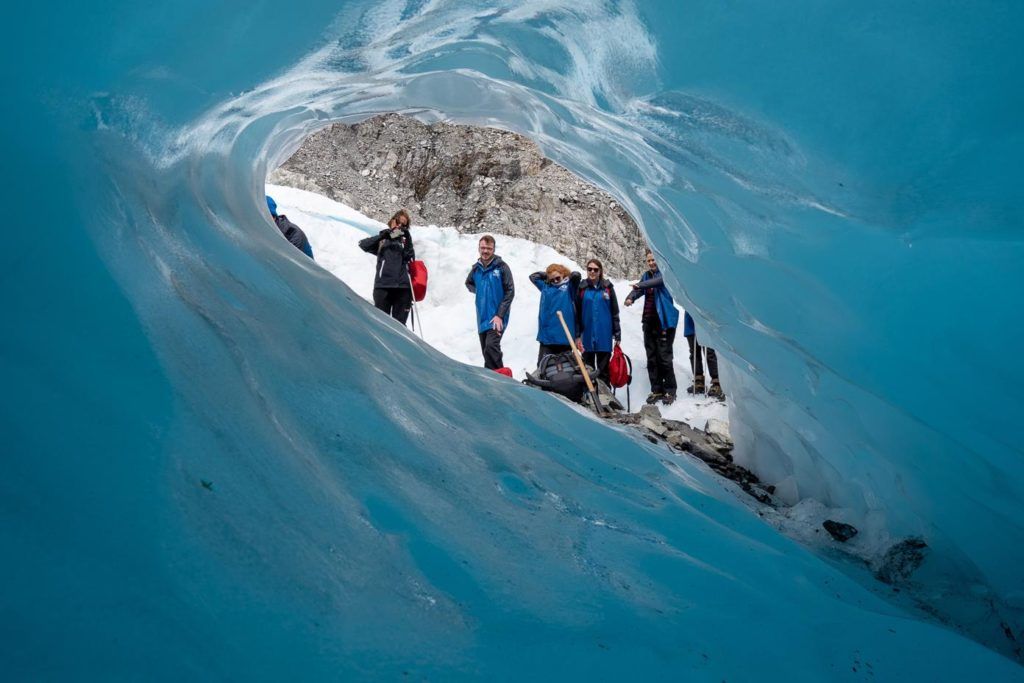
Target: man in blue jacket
[(490, 279), (660, 319)]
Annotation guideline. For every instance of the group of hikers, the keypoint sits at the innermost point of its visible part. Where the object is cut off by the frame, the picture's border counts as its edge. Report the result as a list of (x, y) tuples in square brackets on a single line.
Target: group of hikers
[(588, 305)]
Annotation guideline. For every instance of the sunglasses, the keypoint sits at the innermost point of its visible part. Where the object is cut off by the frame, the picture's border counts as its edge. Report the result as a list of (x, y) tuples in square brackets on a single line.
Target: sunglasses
[(555, 280), (593, 270)]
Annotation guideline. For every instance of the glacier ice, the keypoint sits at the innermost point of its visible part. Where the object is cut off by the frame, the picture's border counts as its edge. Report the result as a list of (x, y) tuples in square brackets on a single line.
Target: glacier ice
[(833, 188)]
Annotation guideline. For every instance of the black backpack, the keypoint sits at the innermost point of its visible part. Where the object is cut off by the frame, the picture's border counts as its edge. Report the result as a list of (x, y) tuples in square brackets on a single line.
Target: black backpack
[(558, 372)]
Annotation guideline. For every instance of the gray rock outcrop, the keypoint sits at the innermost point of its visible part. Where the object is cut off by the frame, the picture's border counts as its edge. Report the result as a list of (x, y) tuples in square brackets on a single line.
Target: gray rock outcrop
[(475, 179)]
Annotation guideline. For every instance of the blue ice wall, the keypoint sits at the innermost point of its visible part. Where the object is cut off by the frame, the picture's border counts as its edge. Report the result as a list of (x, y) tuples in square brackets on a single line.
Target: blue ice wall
[(220, 464)]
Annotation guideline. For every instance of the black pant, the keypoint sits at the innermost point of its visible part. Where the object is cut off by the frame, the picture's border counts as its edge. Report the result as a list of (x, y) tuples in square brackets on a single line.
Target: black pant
[(696, 363), (545, 349), (599, 361), (490, 344), (658, 345), (395, 302)]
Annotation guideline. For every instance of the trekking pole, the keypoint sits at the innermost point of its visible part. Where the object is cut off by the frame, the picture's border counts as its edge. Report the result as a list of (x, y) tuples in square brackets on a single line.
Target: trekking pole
[(694, 350), (412, 293), (583, 368)]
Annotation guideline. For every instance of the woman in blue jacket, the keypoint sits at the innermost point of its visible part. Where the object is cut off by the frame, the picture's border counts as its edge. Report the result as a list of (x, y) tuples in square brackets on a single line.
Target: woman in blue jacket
[(557, 293), (598, 319)]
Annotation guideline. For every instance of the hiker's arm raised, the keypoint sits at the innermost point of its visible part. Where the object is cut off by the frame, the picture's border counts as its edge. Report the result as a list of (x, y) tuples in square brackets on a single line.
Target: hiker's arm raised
[(656, 281), (370, 244), (409, 253)]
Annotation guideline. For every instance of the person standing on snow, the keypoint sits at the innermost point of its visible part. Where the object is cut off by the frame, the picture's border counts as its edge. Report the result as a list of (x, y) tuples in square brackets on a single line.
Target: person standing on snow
[(490, 279), (660, 319), (291, 232), (690, 332), (392, 290), (598, 321), (557, 293)]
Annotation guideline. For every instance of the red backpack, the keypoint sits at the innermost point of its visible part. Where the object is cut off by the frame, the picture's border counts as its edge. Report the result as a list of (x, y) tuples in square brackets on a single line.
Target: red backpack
[(620, 369), (418, 277)]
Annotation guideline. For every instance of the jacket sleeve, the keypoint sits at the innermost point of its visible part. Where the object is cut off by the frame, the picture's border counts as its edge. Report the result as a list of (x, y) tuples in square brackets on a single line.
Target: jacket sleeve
[(656, 281), (578, 305), (510, 291), (614, 304), (634, 294), (538, 279), (370, 244), (409, 254), (577, 308), (470, 282)]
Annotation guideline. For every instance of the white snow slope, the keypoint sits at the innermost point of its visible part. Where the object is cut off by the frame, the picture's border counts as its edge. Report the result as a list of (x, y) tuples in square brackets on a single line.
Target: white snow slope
[(448, 315)]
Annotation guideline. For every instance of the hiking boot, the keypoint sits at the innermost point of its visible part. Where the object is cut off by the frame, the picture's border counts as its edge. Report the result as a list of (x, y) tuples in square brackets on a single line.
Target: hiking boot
[(697, 387), (668, 399), (654, 397), (716, 390)]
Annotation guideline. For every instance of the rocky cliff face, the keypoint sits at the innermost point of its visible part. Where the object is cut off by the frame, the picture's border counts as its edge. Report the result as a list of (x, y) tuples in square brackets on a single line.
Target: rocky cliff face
[(476, 179)]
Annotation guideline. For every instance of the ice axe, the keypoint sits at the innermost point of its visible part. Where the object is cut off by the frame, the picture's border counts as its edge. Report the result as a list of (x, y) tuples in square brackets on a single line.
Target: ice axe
[(583, 368)]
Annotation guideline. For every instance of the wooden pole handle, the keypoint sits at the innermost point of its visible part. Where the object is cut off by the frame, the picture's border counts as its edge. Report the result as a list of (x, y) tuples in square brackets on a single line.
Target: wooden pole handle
[(576, 352)]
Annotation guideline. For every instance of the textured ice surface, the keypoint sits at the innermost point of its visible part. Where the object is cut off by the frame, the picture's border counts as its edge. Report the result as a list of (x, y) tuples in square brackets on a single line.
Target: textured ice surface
[(834, 188)]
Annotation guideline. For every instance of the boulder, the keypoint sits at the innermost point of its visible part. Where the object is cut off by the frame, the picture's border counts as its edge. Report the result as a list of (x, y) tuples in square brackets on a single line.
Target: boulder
[(840, 531), (718, 434)]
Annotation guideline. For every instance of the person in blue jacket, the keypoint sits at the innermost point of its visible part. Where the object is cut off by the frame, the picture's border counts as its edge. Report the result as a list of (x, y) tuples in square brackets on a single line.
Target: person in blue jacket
[(660, 319), (696, 364), (598, 319), (557, 293), (490, 279)]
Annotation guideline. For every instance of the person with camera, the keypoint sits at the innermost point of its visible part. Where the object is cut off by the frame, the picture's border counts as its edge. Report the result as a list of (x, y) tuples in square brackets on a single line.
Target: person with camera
[(598, 319), (557, 293), (392, 291)]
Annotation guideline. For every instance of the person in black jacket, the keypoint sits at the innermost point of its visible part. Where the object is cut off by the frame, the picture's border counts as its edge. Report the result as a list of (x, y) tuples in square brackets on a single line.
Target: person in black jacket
[(392, 289), (291, 232)]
